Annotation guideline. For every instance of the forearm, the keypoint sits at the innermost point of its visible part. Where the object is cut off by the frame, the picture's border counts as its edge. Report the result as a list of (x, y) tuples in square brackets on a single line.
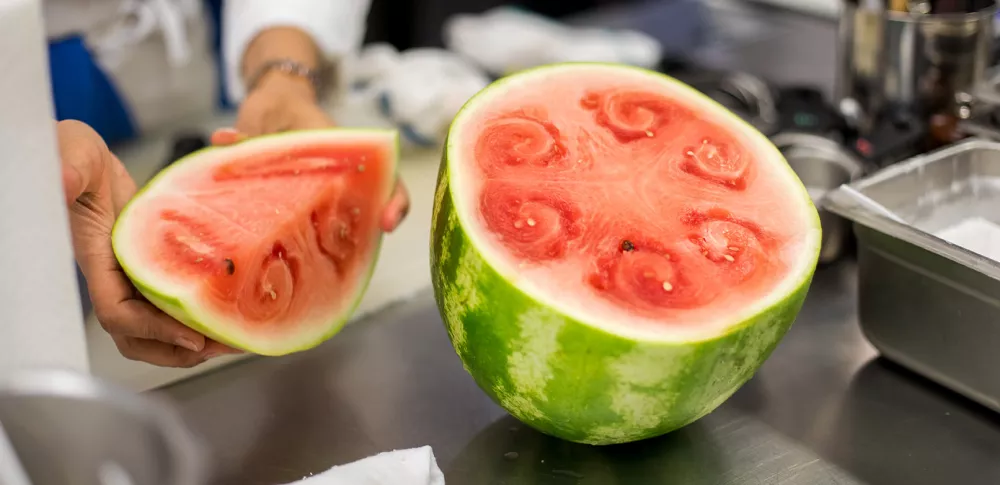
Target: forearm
[(280, 43), (309, 31)]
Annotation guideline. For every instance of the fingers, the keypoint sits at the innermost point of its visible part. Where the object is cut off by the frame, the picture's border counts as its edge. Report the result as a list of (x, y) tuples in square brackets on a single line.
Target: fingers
[(213, 348), (397, 208), (157, 353), (122, 186), (166, 355), (121, 312), (131, 317), (227, 136)]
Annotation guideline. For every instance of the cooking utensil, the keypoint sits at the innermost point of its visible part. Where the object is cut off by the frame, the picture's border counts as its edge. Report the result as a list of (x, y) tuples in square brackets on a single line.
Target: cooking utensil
[(926, 303), (911, 62)]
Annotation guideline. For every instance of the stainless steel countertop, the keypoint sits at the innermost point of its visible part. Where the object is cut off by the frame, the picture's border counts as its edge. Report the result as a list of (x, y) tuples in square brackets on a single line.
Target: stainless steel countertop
[(822, 410)]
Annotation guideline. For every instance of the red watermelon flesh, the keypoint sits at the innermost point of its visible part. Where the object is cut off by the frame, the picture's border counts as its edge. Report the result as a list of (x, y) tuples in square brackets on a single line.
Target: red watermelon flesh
[(266, 245), (630, 204)]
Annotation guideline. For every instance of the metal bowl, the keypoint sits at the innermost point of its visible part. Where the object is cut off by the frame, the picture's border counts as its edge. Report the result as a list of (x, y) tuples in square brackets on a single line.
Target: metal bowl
[(70, 429), (822, 165)]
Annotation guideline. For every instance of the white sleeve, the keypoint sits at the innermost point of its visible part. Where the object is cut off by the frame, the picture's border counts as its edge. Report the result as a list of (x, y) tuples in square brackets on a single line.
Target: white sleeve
[(337, 27)]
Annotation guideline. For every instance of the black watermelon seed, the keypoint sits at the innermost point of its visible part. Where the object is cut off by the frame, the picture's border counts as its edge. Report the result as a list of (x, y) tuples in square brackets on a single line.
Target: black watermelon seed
[(230, 266), (627, 246)]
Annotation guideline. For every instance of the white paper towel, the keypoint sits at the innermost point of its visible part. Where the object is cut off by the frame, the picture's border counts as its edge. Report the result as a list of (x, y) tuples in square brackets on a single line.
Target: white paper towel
[(41, 324), (415, 466)]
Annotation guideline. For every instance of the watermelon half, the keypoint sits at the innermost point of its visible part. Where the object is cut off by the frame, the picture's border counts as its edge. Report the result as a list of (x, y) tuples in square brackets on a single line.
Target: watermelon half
[(613, 253), (266, 245)]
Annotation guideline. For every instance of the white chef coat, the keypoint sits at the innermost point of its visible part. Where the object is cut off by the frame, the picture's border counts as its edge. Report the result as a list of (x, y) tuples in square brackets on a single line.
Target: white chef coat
[(157, 54)]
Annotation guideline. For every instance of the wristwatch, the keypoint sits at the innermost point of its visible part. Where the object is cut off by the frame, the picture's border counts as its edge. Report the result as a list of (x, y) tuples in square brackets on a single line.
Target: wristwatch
[(318, 77)]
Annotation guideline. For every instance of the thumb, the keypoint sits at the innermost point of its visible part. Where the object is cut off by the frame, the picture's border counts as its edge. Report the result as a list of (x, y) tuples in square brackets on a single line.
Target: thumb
[(84, 158)]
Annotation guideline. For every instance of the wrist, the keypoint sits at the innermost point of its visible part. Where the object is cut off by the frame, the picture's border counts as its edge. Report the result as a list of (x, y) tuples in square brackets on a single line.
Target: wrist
[(286, 58)]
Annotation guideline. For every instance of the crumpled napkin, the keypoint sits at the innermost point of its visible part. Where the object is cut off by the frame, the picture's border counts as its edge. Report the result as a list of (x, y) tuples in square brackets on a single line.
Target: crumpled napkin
[(507, 39), (415, 466), (417, 91)]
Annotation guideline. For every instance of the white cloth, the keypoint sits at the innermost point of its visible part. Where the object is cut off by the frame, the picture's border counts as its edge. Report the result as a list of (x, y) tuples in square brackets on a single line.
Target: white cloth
[(417, 91), (157, 52), (506, 39), (415, 466)]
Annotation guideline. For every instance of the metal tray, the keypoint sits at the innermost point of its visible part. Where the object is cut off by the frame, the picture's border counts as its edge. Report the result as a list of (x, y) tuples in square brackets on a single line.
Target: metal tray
[(925, 303)]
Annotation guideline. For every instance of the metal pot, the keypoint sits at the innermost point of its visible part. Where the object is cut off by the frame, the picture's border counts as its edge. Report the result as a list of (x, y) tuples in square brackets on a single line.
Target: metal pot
[(70, 429), (910, 59), (822, 165)]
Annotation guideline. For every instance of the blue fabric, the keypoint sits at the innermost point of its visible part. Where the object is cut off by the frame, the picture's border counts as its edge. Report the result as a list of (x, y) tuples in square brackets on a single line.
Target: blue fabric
[(82, 91), (214, 8)]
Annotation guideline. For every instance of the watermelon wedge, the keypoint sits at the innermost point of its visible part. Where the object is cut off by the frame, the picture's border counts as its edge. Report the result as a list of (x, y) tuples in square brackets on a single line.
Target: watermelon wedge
[(266, 245), (614, 254)]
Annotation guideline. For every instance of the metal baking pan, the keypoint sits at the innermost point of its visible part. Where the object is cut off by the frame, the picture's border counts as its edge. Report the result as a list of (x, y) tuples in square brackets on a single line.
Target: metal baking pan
[(926, 303)]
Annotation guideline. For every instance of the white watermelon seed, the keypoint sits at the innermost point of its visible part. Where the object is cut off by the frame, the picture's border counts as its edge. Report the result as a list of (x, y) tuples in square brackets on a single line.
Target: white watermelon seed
[(734, 248), (648, 274), (667, 286), (199, 260), (274, 296), (690, 153), (355, 211), (343, 230), (518, 224), (729, 258), (531, 222)]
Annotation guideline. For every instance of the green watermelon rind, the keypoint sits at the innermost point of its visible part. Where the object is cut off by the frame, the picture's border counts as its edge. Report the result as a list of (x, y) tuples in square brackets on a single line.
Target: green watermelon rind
[(177, 309), (572, 379)]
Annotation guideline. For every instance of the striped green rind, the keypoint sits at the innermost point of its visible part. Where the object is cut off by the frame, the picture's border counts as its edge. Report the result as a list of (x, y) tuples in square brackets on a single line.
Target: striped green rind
[(217, 330), (573, 380)]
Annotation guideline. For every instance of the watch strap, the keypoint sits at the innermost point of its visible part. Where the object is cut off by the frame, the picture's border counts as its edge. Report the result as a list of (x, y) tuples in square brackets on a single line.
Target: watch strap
[(317, 77)]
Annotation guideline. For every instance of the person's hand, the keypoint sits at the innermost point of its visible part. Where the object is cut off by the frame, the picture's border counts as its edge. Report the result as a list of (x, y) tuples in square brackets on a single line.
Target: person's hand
[(97, 188), (285, 103)]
